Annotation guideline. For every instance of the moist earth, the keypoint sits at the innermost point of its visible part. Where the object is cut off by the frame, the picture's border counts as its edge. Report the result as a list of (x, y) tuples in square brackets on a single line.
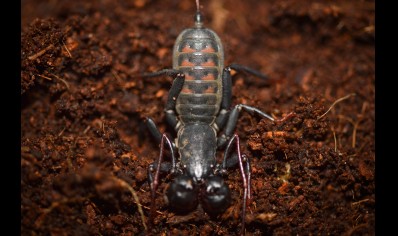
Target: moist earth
[(85, 148)]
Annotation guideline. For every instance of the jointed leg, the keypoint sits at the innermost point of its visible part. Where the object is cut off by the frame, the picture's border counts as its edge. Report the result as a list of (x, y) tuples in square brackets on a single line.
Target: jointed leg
[(170, 106), (179, 79), (154, 180), (227, 90), (245, 172), (242, 68), (233, 118), (175, 90), (231, 161), (226, 98), (164, 167), (169, 72), (153, 129)]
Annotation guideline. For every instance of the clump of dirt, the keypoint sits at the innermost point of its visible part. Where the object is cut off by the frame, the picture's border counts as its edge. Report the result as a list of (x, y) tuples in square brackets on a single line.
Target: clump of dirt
[(85, 148)]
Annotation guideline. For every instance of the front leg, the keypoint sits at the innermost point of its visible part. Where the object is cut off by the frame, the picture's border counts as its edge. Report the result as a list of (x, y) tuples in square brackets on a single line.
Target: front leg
[(176, 87), (174, 92), (226, 99), (232, 116), (171, 117)]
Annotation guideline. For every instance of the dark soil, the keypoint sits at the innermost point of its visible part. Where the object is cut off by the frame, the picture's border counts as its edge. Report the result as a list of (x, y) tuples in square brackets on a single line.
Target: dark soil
[(85, 147)]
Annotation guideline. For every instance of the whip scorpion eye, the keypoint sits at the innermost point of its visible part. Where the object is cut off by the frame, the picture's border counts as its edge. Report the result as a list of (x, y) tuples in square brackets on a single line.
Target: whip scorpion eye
[(182, 194), (215, 195)]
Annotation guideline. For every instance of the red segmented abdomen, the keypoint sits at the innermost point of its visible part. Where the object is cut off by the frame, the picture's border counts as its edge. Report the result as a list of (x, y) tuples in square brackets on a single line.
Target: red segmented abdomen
[(198, 53)]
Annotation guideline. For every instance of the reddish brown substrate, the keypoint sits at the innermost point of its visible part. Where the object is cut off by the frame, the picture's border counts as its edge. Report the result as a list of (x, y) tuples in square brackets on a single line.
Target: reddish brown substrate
[(84, 140)]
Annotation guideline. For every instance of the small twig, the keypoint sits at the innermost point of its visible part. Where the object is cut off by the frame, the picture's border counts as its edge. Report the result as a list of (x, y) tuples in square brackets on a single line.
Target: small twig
[(335, 140), (136, 199), (57, 77), (45, 77), (364, 106), (102, 123), (62, 132), (356, 219), (67, 50), (355, 127), (33, 57), (148, 208), (354, 134), (337, 101), (64, 81), (86, 130), (359, 202)]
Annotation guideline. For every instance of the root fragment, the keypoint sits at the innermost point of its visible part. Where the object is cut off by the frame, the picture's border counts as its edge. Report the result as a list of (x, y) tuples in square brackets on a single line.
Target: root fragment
[(337, 101), (37, 55), (136, 199)]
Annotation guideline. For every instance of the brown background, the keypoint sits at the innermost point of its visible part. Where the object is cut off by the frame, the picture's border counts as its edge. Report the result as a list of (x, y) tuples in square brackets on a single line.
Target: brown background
[(84, 142)]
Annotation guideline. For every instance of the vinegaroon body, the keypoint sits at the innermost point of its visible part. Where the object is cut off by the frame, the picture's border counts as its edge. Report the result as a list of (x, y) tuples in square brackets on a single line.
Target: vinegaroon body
[(198, 108)]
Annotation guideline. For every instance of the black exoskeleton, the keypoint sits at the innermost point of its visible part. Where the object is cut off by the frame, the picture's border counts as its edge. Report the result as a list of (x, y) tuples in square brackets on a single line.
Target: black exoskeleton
[(198, 107)]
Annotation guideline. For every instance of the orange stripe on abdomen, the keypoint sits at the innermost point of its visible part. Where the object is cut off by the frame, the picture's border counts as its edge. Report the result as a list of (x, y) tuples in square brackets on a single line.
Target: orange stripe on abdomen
[(209, 77), (187, 48), (208, 63), (208, 49), (187, 63)]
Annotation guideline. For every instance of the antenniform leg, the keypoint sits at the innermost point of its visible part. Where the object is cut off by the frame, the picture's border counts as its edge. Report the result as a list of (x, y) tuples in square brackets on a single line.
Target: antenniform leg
[(244, 170), (157, 167)]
